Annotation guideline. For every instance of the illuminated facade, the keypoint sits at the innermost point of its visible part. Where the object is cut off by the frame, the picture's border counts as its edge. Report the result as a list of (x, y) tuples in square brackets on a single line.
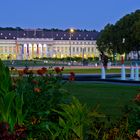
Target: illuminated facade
[(29, 44)]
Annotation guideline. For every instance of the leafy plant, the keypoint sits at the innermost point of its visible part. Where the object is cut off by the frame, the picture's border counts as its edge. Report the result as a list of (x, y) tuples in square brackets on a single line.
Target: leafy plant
[(10, 103), (73, 121)]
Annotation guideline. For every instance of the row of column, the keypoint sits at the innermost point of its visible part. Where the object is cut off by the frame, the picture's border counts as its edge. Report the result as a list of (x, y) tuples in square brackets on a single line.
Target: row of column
[(29, 51)]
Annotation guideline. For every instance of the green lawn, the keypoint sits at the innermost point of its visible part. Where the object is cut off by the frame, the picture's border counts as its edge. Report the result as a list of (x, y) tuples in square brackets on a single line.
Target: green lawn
[(111, 98), (93, 71)]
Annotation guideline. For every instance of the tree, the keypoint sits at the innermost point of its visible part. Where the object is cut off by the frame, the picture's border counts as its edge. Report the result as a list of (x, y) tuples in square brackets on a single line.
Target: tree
[(136, 37), (104, 41), (123, 37)]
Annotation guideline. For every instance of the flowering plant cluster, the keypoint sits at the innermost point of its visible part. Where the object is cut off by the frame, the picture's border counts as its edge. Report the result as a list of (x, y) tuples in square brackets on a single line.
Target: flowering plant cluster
[(26, 102), (35, 106)]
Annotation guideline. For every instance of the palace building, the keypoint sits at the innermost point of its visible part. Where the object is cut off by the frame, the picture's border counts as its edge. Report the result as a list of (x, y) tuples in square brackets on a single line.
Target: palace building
[(28, 44)]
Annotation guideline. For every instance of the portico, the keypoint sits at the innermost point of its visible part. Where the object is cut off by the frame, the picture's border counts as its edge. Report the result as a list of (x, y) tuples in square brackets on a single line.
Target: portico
[(34, 47)]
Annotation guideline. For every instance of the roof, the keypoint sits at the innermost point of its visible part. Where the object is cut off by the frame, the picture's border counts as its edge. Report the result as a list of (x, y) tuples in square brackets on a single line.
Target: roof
[(56, 35)]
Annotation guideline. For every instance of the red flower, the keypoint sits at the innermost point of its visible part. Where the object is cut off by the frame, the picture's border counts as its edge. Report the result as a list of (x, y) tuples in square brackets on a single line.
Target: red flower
[(72, 76), (72, 73), (137, 98), (35, 82), (26, 70), (37, 90), (40, 72), (20, 131), (57, 69), (44, 69), (20, 73)]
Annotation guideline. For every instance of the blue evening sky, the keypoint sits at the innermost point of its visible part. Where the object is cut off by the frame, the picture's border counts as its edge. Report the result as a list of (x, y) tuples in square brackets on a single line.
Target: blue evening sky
[(63, 14)]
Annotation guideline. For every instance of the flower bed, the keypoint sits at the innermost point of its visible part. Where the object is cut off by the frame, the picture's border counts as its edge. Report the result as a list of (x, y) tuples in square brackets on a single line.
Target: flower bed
[(39, 108)]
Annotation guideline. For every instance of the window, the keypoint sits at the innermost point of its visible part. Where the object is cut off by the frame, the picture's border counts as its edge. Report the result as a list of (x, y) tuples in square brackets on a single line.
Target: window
[(10, 50), (77, 49), (81, 49), (9, 34), (1, 33), (73, 49)]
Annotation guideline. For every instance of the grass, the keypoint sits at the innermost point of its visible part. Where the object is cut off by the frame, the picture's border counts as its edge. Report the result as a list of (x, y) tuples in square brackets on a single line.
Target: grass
[(110, 98), (87, 71), (93, 71)]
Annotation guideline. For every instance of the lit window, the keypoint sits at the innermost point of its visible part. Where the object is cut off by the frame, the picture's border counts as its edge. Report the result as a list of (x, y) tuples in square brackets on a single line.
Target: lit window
[(5, 37), (79, 34), (56, 34), (24, 34), (61, 38), (64, 34), (9, 34), (14, 37), (87, 35), (76, 38), (1, 33)]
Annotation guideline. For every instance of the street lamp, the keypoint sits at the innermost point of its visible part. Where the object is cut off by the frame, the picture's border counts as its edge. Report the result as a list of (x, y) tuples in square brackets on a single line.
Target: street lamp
[(71, 32)]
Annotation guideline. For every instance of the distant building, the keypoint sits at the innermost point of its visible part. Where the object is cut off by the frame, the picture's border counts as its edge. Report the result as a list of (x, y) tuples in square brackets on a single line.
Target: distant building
[(28, 44)]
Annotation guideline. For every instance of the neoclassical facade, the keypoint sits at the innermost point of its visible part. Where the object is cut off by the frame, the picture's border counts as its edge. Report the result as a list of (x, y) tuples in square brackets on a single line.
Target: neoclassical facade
[(29, 44)]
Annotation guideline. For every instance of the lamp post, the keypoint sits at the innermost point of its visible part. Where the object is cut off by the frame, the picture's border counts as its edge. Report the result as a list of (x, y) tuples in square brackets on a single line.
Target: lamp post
[(71, 32)]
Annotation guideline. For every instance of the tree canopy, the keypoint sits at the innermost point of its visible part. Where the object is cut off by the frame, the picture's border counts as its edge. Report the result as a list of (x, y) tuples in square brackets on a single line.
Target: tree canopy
[(123, 36)]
